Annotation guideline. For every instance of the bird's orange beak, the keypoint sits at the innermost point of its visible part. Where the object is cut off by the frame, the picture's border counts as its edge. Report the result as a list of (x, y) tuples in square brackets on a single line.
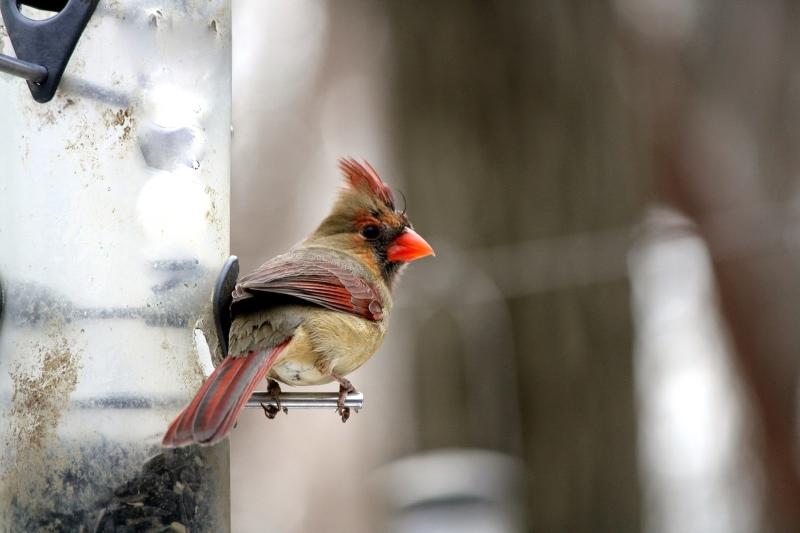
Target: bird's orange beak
[(408, 246)]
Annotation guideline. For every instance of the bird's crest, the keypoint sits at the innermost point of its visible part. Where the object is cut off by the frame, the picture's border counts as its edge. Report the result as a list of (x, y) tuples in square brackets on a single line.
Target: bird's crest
[(363, 177)]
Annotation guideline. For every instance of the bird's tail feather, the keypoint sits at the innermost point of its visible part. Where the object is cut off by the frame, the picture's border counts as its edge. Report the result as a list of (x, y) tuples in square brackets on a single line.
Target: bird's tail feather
[(212, 413)]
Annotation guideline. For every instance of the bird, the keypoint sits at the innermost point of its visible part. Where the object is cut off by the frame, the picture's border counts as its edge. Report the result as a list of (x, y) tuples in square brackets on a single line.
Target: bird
[(311, 315)]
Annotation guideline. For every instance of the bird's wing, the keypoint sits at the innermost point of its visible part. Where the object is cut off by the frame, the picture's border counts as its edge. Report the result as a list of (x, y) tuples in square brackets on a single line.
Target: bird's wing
[(320, 276)]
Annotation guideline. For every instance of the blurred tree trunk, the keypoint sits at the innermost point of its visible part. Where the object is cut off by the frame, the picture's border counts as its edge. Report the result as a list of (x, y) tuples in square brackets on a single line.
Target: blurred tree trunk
[(509, 128), (724, 111)]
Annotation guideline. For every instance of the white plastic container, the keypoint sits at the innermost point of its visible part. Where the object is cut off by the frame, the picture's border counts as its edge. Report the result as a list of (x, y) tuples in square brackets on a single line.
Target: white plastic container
[(114, 202)]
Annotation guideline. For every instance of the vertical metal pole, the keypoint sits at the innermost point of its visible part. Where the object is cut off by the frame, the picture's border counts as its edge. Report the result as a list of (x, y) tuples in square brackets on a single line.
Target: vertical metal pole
[(113, 224)]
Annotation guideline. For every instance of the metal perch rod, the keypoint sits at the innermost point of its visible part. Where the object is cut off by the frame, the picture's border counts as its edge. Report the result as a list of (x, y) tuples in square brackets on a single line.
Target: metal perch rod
[(23, 69), (307, 400)]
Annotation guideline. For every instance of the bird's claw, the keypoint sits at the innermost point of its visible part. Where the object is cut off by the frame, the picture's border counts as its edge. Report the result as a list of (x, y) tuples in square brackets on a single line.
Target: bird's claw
[(274, 390), (345, 388), (270, 411)]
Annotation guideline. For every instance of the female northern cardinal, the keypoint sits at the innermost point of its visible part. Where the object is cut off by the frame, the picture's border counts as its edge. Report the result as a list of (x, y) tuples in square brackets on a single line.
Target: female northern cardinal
[(311, 315)]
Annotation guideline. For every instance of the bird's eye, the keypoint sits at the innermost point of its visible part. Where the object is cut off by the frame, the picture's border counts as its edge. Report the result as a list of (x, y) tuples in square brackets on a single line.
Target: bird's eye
[(371, 232)]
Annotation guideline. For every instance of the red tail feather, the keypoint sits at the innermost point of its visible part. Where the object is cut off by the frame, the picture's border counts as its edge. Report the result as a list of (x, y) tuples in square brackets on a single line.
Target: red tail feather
[(212, 413)]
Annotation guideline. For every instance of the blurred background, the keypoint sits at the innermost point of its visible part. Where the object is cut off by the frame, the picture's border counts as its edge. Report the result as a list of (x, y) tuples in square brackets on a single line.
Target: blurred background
[(607, 338)]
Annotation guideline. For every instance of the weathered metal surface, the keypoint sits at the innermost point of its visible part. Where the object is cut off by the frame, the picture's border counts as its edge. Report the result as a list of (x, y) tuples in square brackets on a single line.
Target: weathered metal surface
[(113, 224)]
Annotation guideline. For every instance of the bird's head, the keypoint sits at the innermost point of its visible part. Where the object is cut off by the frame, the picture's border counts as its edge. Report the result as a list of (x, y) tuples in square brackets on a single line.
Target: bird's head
[(365, 222)]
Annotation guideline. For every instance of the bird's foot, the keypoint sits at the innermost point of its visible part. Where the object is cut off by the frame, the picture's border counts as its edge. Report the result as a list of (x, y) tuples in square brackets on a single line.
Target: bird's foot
[(345, 388), (274, 390)]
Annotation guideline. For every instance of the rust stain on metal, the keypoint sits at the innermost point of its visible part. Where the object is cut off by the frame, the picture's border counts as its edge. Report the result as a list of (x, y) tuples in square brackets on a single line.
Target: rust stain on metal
[(212, 215), (46, 119), (83, 143), (41, 394), (41, 391), (123, 121)]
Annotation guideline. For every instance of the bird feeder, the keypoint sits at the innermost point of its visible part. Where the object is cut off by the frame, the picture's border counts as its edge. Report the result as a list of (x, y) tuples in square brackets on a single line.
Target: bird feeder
[(114, 194)]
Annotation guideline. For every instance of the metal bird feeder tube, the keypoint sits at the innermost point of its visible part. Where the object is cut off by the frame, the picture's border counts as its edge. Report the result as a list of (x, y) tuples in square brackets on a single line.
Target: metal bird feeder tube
[(113, 224)]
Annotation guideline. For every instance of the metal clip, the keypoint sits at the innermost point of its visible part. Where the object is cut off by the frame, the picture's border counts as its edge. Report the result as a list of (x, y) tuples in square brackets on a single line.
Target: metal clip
[(43, 47)]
